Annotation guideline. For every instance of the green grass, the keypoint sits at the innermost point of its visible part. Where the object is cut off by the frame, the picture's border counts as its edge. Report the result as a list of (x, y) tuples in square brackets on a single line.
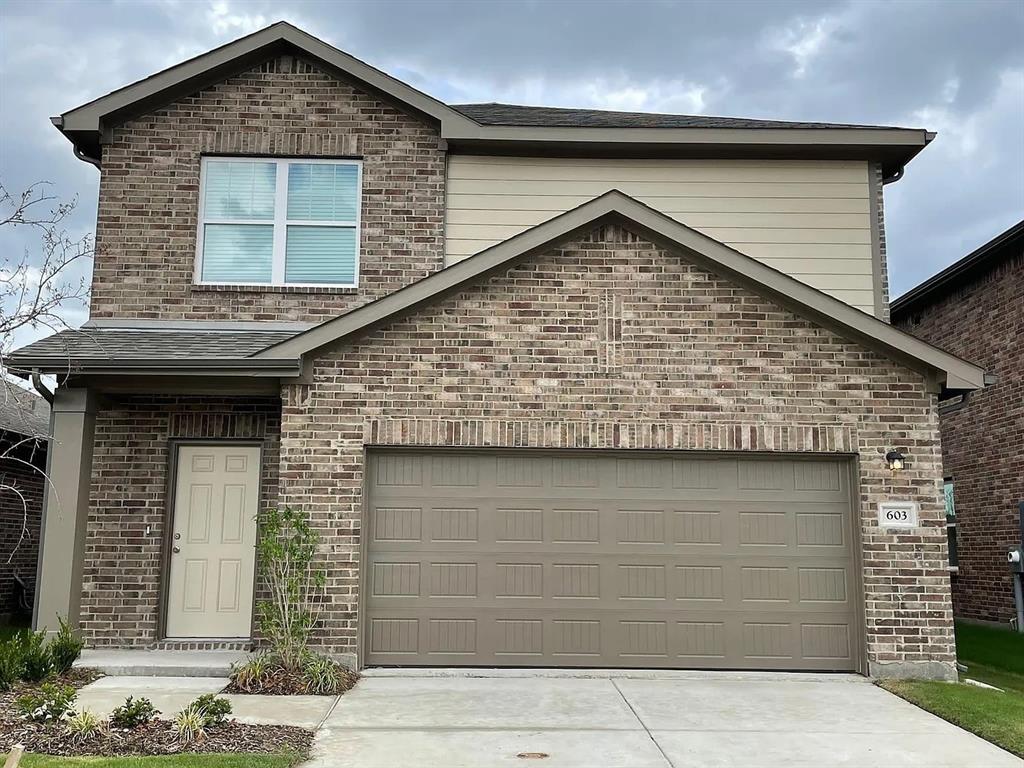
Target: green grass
[(993, 715), (992, 655), (173, 761)]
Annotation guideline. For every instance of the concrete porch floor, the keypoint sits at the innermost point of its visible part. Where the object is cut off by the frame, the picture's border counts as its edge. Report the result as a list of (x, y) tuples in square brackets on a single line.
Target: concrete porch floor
[(173, 663)]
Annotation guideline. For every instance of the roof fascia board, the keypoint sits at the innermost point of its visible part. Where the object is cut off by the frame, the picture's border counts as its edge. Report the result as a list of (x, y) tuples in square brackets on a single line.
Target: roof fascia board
[(838, 137), (807, 301)]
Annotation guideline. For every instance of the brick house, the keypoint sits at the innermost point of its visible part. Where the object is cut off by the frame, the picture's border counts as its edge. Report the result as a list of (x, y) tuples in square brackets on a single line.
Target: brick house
[(24, 426), (976, 308), (557, 387)]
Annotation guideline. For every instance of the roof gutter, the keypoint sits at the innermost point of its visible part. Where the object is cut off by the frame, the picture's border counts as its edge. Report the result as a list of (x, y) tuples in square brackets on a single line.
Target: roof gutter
[(895, 176), (275, 368)]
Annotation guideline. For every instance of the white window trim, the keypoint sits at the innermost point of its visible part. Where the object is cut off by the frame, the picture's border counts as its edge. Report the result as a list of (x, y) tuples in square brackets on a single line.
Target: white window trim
[(280, 221)]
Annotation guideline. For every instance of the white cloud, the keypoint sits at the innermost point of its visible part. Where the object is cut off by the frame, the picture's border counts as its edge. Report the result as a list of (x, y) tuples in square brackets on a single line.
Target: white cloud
[(223, 19), (803, 41), (963, 135)]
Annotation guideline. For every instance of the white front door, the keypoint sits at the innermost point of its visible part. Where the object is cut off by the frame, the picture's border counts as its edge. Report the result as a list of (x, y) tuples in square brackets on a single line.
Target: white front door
[(213, 542)]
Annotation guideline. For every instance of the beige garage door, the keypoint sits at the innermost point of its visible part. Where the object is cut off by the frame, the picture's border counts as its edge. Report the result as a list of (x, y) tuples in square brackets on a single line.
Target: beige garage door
[(609, 560)]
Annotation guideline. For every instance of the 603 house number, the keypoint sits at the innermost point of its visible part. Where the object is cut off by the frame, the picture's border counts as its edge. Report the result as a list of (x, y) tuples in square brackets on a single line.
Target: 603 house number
[(897, 514)]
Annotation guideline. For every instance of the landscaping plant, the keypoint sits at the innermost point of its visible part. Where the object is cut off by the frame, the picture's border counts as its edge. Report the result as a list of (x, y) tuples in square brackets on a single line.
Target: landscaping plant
[(51, 703), (215, 709), (253, 674), (322, 676), (11, 663), (133, 713), (84, 725), (286, 552), (190, 724), (36, 662), (65, 648)]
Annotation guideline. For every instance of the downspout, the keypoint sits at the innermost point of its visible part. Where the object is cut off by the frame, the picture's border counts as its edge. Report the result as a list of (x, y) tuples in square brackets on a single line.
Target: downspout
[(37, 383)]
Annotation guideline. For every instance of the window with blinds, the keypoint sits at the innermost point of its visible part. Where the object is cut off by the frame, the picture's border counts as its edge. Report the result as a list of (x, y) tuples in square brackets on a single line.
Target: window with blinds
[(279, 222)]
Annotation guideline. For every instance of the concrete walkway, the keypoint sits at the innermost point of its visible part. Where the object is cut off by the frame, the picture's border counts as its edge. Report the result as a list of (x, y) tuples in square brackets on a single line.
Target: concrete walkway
[(804, 721), (172, 694)]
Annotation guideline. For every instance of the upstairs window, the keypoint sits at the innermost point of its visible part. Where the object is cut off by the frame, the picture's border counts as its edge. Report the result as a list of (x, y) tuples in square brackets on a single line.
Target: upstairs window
[(279, 222)]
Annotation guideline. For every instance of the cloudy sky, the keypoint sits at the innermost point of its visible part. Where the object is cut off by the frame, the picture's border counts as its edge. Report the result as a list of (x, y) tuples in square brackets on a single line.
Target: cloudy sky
[(952, 66)]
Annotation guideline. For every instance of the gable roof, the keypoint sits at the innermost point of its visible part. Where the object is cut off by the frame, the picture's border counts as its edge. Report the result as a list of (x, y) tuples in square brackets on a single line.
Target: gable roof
[(1001, 247), (85, 125), (497, 128), (942, 368)]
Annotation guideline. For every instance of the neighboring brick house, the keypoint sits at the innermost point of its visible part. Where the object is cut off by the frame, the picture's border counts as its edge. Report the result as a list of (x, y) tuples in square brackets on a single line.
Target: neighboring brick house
[(975, 308), (557, 387), (24, 426)]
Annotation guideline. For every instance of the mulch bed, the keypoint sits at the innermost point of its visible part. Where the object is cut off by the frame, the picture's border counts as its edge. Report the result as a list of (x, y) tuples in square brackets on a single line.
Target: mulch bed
[(159, 738), (156, 738), (76, 678), (279, 682)]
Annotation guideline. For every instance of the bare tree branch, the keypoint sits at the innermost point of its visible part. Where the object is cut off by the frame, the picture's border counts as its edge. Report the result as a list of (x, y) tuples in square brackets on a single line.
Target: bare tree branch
[(36, 288)]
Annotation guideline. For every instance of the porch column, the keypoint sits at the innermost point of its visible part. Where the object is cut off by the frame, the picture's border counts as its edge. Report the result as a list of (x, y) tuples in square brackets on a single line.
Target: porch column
[(65, 508)]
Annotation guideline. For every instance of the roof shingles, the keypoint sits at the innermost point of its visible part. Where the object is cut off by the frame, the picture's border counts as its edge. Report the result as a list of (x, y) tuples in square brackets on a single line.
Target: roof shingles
[(557, 117), (100, 344)]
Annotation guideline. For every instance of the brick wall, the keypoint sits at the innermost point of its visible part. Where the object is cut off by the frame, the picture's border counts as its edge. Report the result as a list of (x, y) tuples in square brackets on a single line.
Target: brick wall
[(611, 342), (149, 194), (983, 442), (121, 579), (21, 506)]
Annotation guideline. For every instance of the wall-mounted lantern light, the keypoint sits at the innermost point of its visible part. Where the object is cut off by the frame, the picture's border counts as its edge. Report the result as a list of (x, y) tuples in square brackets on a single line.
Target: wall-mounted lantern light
[(895, 460)]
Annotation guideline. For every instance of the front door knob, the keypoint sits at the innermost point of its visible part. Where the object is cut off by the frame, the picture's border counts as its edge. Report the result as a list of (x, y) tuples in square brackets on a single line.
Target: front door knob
[(176, 550)]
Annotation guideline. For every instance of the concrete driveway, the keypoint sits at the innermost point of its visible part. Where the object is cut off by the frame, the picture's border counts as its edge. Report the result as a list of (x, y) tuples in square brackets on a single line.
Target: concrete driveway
[(663, 720)]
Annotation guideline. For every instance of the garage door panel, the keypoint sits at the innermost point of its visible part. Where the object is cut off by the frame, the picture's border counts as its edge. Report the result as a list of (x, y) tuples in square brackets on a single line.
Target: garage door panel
[(710, 640), (622, 578), (569, 560)]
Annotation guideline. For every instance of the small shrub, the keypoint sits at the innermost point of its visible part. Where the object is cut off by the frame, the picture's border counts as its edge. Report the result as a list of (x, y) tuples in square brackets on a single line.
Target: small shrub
[(322, 677), (11, 663), (83, 726), (251, 675), (133, 713), (52, 702), (65, 648), (286, 555), (36, 663), (190, 724), (215, 709)]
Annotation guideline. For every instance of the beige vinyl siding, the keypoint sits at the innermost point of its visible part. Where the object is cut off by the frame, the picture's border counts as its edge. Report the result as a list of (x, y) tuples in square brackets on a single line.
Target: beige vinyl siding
[(809, 219)]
